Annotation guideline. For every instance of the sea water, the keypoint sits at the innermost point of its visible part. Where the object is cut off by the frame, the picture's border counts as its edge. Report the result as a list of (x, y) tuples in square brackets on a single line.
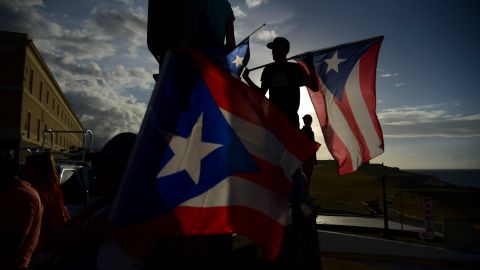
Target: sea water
[(464, 178)]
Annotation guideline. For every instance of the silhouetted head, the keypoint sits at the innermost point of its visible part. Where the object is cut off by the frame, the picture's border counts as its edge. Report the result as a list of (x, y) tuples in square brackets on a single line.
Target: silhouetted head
[(8, 170), (40, 169), (110, 162), (307, 120), (280, 47)]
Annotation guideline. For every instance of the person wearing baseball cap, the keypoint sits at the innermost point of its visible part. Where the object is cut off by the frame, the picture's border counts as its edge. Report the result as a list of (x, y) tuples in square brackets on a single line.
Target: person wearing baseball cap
[(283, 80)]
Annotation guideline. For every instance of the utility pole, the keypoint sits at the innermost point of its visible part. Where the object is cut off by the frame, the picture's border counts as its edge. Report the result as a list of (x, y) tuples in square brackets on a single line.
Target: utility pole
[(386, 231)]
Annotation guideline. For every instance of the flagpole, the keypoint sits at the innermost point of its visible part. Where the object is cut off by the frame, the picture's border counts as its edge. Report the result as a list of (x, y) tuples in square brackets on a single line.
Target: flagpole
[(259, 67), (325, 49), (251, 34)]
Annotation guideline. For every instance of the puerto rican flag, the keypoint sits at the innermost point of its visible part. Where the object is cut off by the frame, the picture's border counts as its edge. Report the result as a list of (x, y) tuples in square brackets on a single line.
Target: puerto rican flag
[(346, 102), (212, 157), (239, 57)]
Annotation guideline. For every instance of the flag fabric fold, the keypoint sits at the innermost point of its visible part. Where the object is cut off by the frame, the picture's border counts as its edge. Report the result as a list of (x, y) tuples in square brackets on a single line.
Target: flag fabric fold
[(239, 57), (212, 157), (346, 102)]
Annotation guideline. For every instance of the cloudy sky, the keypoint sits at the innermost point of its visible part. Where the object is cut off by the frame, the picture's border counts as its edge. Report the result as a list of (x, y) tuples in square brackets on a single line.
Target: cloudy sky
[(427, 92)]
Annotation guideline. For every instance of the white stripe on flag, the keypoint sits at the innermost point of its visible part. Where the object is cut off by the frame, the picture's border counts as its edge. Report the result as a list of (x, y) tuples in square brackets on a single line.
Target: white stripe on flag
[(341, 128), (361, 113), (236, 191), (263, 144)]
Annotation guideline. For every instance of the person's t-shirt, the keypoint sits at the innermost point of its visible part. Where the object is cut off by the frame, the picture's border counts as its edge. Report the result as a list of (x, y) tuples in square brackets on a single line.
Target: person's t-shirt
[(309, 132), (283, 82), (218, 13), (20, 215), (196, 23)]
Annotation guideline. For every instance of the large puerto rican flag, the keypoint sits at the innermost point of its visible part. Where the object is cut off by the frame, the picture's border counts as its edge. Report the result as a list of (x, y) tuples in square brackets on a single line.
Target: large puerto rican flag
[(346, 102), (212, 157)]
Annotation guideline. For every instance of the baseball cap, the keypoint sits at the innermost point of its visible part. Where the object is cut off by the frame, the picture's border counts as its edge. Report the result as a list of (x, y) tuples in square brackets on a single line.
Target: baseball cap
[(279, 42), (307, 116)]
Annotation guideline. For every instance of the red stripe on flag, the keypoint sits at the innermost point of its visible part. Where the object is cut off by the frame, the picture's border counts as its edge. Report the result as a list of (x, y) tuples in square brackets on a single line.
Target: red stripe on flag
[(334, 144), (191, 221), (246, 221), (368, 64), (346, 110), (270, 177), (338, 150)]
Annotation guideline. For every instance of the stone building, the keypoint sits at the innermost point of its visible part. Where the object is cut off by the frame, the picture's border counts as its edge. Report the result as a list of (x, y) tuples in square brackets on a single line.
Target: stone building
[(32, 102)]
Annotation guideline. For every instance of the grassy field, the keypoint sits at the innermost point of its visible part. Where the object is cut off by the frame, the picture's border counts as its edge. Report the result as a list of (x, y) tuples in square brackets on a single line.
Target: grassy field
[(404, 193)]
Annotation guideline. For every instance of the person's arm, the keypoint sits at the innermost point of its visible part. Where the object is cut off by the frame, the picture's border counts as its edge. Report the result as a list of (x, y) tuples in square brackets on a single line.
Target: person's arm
[(309, 79), (246, 77)]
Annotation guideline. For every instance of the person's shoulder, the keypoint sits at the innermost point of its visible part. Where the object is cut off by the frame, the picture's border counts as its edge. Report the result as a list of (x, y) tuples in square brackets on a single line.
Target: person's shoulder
[(27, 194), (269, 67), (293, 66), (267, 70), (26, 187), (31, 190)]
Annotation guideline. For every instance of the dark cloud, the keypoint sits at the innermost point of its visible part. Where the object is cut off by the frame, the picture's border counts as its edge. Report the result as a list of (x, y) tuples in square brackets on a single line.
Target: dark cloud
[(89, 61), (130, 23), (104, 99), (255, 3), (103, 110), (238, 12), (428, 121)]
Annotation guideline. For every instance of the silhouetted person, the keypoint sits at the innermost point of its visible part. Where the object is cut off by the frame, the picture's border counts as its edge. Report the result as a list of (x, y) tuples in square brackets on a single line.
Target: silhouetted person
[(41, 173), (308, 165), (203, 24), (283, 80), (20, 217), (88, 242)]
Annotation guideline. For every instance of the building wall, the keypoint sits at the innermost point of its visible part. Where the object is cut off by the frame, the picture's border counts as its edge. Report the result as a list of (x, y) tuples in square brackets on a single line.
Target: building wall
[(33, 101), (12, 55)]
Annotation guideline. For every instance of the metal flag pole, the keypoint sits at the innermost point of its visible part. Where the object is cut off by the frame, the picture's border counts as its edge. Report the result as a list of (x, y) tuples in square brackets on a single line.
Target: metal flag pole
[(259, 67), (251, 34), (325, 49)]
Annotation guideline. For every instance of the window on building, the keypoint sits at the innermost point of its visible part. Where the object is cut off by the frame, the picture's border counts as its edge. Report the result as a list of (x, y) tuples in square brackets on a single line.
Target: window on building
[(48, 96), (53, 104), (40, 94), (45, 128), (30, 83), (29, 119), (38, 129), (58, 109)]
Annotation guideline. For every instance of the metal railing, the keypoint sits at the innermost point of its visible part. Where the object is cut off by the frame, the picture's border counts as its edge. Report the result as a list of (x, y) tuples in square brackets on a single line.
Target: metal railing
[(54, 133)]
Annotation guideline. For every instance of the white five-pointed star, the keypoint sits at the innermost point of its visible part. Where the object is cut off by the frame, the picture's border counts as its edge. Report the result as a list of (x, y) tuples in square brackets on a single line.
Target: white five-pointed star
[(238, 61), (188, 152), (333, 62)]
